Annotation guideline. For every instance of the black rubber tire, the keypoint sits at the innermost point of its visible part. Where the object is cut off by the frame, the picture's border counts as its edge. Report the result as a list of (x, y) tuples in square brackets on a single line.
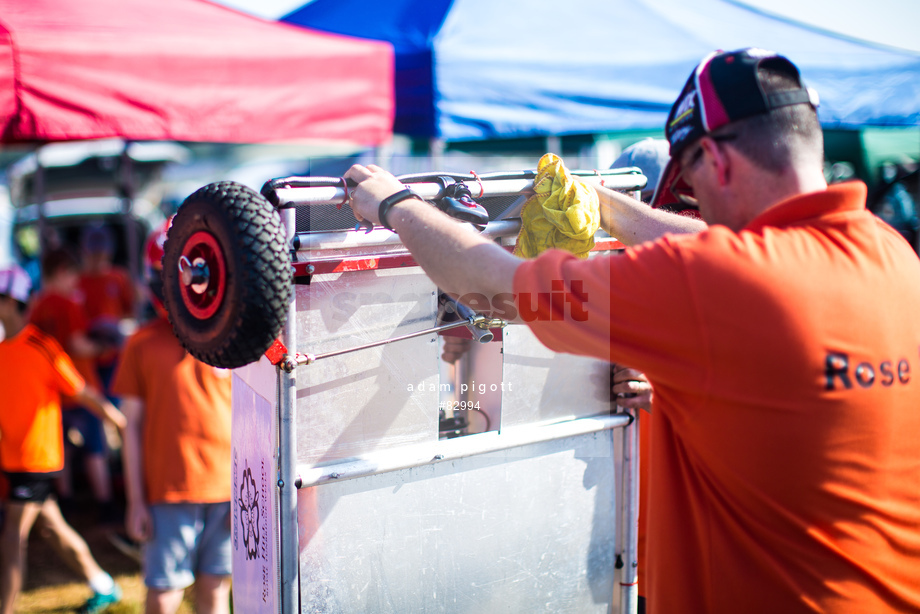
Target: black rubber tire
[(250, 308)]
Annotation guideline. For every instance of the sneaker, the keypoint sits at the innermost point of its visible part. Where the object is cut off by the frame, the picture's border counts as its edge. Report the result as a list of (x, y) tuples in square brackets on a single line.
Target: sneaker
[(99, 602), (126, 545)]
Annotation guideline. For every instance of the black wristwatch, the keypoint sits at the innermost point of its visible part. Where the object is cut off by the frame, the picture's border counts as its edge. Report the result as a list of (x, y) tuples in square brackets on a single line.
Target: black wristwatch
[(391, 200)]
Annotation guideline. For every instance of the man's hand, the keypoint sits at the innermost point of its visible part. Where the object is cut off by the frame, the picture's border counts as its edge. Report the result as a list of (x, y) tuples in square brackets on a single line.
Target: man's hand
[(374, 184), (630, 388), (457, 259)]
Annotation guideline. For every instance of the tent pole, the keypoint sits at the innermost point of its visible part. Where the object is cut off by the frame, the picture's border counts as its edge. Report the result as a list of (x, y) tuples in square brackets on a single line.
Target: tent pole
[(38, 190), (629, 592), (383, 155), (125, 183), (436, 148), (289, 551)]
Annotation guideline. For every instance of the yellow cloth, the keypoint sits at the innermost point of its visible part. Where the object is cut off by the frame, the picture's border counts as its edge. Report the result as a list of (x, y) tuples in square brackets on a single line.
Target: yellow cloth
[(562, 213)]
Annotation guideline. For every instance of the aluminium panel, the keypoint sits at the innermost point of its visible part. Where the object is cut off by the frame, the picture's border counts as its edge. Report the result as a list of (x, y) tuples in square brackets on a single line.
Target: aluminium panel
[(545, 386), (374, 398), (529, 531)]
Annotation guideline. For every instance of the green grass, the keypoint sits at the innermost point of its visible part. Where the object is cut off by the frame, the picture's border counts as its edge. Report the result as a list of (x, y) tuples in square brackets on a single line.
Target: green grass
[(51, 587)]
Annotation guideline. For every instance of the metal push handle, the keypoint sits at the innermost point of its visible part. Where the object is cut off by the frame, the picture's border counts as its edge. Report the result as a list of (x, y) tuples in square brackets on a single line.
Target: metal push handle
[(288, 192), (304, 191)]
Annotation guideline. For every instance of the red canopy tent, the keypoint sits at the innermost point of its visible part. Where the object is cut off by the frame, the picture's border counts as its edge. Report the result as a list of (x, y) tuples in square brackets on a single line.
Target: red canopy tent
[(184, 70)]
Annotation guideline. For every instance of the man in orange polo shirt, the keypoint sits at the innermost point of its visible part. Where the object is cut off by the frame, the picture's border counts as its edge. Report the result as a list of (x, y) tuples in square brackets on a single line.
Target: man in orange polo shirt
[(176, 457), (782, 343), (34, 374)]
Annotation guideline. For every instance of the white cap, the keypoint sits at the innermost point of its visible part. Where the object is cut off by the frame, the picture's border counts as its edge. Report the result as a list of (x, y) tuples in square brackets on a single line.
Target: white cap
[(15, 283)]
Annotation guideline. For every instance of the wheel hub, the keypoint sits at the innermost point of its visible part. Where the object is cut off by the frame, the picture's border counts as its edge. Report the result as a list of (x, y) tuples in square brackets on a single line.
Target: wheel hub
[(202, 275)]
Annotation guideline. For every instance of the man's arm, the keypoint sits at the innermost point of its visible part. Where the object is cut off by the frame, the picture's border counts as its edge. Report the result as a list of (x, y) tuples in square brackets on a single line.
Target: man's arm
[(137, 517), (462, 262), (634, 222), (457, 259)]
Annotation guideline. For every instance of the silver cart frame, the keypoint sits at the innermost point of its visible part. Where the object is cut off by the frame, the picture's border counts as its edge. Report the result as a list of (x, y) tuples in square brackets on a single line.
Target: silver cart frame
[(286, 493)]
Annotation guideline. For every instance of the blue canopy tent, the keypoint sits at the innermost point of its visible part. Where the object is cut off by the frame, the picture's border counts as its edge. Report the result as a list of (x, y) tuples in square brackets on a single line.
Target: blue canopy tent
[(482, 69)]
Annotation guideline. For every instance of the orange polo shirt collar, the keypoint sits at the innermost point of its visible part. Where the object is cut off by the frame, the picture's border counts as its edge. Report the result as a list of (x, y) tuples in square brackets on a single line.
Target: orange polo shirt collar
[(839, 197)]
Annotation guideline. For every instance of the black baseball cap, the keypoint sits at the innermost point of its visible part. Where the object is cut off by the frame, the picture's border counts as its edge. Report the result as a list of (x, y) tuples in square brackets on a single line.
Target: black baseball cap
[(724, 87)]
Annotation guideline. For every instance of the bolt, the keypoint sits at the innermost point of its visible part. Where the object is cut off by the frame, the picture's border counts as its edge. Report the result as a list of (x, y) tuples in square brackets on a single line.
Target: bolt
[(334, 476), (185, 271), (438, 457), (310, 269), (280, 483), (194, 275)]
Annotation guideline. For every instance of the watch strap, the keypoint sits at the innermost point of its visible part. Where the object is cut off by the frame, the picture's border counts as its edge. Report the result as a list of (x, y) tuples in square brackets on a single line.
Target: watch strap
[(391, 200)]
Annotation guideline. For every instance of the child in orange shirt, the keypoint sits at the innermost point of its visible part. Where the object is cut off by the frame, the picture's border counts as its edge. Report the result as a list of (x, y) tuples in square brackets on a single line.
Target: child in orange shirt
[(34, 373), (177, 408)]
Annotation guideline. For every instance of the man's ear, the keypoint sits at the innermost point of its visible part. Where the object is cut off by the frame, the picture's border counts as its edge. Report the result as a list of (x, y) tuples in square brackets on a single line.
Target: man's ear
[(718, 158)]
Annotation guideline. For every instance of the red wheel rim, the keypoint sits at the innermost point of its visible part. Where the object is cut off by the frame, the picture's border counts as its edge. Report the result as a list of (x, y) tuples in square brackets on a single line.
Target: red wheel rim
[(202, 248)]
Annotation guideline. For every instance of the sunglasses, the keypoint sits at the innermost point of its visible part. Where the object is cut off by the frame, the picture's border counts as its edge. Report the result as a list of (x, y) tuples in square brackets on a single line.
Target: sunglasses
[(679, 187)]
